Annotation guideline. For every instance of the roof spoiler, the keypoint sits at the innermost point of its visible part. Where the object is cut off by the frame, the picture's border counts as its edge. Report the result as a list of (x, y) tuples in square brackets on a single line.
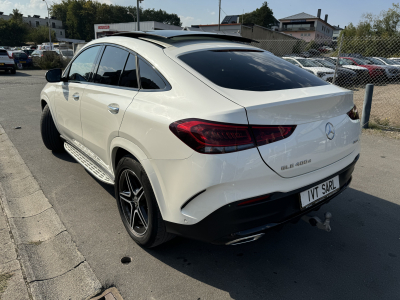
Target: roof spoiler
[(169, 34)]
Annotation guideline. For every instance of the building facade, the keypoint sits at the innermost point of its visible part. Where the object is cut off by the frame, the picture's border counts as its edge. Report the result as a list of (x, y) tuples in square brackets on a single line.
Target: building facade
[(307, 27), (36, 21), (101, 30), (336, 33)]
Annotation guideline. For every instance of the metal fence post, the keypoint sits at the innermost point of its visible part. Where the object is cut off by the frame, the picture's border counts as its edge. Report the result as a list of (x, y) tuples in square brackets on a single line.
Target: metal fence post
[(369, 89), (337, 60)]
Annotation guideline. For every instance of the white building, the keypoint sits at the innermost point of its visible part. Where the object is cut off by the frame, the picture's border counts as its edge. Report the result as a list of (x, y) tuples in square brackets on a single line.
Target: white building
[(36, 21), (336, 32), (101, 30)]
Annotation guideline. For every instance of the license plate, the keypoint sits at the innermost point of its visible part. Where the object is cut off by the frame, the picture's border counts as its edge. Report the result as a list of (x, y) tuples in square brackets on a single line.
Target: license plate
[(22, 61), (1, 64), (319, 192)]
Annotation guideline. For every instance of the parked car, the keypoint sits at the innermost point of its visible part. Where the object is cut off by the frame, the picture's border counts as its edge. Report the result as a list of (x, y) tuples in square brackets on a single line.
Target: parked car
[(396, 59), (392, 72), (208, 137), (388, 61), (343, 76), (21, 59), (6, 62), (40, 53), (362, 73), (66, 54), (28, 52), (322, 72), (376, 73)]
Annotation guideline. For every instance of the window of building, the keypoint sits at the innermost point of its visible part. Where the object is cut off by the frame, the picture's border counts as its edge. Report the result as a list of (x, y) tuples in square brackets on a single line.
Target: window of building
[(37, 23), (301, 34), (128, 76), (149, 79), (60, 32), (111, 65), (53, 25), (82, 66)]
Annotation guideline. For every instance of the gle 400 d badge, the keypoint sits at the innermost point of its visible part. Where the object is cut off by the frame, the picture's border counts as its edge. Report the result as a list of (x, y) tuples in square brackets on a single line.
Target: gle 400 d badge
[(298, 164)]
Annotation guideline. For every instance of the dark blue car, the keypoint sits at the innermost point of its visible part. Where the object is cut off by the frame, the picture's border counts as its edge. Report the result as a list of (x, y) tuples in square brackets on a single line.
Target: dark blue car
[(21, 59)]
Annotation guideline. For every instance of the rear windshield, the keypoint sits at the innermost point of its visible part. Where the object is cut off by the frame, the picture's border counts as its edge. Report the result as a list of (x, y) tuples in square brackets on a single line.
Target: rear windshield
[(20, 55), (3, 52), (249, 70), (67, 52)]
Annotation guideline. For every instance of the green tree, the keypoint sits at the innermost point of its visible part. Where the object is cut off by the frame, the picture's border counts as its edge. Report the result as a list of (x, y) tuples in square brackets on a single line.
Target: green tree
[(79, 16), (262, 16), (40, 35), (13, 32)]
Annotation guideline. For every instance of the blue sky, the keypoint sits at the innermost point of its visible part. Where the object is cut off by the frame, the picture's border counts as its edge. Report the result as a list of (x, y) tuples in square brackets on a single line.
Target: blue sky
[(341, 12)]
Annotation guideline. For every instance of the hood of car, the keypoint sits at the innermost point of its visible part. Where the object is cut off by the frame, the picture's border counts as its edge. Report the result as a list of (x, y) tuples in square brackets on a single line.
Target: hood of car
[(320, 69), (354, 67)]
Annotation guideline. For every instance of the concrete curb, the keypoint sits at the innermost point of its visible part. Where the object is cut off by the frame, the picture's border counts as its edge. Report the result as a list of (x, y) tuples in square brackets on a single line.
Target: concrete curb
[(54, 267)]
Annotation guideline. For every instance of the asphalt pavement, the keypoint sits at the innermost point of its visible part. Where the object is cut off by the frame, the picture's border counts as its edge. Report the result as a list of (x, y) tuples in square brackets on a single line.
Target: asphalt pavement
[(359, 259)]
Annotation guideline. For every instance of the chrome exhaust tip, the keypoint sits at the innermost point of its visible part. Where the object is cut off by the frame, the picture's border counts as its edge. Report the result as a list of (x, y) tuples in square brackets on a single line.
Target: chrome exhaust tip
[(244, 240)]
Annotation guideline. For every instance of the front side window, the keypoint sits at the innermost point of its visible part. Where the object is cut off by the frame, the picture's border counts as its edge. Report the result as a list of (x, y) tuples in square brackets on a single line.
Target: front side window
[(128, 76), (111, 65), (149, 79), (82, 66), (250, 70)]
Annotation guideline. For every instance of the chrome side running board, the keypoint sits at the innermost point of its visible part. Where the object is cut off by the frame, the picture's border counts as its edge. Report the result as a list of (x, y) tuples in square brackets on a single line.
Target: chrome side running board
[(246, 239), (88, 164)]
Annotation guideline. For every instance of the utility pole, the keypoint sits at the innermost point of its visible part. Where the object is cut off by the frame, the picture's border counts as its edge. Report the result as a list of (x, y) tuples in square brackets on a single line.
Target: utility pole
[(48, 19), (219, 16), (137, 11)]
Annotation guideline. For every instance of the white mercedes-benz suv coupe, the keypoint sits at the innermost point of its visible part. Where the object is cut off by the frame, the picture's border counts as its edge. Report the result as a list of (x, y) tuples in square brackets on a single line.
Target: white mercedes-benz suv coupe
[(202, 135)]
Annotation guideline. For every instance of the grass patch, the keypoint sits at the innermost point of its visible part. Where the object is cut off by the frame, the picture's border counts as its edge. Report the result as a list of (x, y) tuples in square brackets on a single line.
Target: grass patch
[(4, 281)]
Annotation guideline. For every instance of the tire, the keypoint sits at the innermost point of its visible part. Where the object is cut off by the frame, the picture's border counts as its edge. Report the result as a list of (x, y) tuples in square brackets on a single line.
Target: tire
[(137, 199), (50, 135)]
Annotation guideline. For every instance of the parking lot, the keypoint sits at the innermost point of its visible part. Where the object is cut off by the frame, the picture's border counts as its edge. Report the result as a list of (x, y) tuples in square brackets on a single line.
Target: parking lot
[(359, 259)]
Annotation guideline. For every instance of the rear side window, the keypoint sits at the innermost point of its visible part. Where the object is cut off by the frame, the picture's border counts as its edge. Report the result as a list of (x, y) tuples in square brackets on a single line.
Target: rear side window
[(249, 70), (111, 65), (149, 79), (82, 66), (129, 77)]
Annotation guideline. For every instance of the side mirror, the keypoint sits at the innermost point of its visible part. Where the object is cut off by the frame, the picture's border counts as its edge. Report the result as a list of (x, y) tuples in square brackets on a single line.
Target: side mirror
[(54, 75)]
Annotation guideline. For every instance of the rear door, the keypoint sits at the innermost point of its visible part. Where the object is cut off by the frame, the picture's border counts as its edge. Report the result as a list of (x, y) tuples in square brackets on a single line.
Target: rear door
[(106, 98), (69, 94)]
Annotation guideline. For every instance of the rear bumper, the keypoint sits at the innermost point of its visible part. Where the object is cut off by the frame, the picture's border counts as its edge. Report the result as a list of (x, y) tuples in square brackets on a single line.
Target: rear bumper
[(232, 222), (7, 67)]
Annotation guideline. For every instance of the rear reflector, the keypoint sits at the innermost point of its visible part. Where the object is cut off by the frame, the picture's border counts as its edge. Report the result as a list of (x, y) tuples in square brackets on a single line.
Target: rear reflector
[(254, 200), (216, 138), (353, 113)]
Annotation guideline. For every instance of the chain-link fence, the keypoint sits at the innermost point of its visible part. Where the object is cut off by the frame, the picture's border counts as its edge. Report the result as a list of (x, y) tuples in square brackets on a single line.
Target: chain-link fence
[(351, 63)]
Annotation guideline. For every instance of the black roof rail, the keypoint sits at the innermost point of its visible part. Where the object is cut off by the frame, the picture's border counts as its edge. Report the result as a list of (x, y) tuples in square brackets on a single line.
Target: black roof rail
[(170, 34)]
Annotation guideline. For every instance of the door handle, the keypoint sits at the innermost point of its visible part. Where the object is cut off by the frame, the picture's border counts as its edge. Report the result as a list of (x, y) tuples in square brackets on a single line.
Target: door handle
[(75, 96), (113, 108)]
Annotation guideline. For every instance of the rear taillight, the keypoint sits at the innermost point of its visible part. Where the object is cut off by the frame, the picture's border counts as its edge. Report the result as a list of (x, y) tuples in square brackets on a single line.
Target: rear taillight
[(11, 56), (353, 113), (215, 138), (269, 134)]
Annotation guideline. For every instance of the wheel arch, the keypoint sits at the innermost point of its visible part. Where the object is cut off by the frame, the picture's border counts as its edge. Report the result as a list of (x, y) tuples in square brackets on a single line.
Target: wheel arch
[(43, 103), (121, 147)]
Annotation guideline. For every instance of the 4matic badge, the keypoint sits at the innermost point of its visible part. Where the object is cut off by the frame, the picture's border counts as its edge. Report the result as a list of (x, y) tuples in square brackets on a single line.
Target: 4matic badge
[(298, 164)]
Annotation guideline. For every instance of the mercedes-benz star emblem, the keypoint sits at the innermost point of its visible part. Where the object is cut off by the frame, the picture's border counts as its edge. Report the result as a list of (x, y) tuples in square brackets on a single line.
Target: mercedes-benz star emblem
[(330, 131)]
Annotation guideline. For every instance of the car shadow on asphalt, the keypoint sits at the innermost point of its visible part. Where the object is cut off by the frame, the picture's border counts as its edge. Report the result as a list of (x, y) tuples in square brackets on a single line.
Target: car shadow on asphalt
[(359, 258), (19, 73)]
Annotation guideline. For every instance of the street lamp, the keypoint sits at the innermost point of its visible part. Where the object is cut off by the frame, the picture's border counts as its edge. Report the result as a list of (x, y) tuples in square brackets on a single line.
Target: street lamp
[(134, 18), (137, 11), (48, 22)]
